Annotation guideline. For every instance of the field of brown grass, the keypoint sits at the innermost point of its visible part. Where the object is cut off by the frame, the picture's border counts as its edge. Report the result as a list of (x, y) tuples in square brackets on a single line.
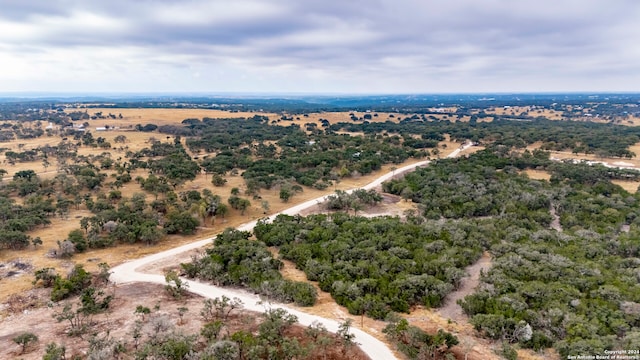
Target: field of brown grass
[(531, 111), (537, 174), (131, 117)]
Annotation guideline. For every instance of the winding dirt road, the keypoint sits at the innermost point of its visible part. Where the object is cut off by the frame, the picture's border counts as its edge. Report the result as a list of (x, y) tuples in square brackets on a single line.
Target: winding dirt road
[(131, 272)]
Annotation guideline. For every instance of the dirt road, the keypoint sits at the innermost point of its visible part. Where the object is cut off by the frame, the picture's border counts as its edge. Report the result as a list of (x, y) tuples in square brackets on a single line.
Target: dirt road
[(130, 272)]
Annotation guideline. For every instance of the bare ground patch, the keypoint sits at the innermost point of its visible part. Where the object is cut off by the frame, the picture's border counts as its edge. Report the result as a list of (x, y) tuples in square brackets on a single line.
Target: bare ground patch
[(120, 320)]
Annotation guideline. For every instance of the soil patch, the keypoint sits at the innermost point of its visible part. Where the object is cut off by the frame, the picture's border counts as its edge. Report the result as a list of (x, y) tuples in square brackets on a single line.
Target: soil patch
[(120, 321), (468, 284)]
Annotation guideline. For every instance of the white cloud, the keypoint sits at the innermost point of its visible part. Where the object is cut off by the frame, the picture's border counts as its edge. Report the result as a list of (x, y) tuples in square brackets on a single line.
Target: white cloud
[(320, 46)]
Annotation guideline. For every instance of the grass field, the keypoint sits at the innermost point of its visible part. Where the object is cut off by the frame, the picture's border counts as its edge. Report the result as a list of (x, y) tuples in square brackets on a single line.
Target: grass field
[(533, 112)]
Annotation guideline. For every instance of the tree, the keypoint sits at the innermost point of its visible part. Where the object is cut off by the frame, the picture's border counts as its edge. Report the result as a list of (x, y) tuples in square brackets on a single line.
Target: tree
[(239, 203), (243, 205), (47, 275), (285, 194), (151, 234), (78, 320), (218, 180), (25, 340), (36, 241), (181, 312), (180, 222), (222, 210), (265, 206), (220, 308), (76, 237), (54, 352), (142, 311), (45, 163), (211, 330), (344, 332), (176, 287)]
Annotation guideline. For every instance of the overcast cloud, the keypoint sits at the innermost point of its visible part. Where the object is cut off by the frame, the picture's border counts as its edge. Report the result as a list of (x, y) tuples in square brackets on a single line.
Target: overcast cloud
[(312, 46)]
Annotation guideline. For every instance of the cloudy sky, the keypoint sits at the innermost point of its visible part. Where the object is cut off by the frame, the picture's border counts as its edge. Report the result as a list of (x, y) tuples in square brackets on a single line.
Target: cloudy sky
[(319, 46)]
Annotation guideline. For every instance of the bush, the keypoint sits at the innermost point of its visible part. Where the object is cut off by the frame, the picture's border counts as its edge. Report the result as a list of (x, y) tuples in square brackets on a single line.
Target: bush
[(25, 340), (77, 281)]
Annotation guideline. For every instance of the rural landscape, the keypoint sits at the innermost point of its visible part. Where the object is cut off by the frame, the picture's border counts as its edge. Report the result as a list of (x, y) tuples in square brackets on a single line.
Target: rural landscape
[(255, 228), (319, 180)]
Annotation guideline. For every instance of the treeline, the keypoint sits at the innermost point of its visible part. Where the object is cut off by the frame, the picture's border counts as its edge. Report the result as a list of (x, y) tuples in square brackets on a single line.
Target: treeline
[(575, 289), (578, 137)]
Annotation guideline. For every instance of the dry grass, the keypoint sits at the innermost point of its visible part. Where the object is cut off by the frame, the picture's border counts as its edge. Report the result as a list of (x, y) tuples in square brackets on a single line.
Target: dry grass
[(613, 161), (533, 112), (132, 117), (537, 174), (630, 186), (631, 121)]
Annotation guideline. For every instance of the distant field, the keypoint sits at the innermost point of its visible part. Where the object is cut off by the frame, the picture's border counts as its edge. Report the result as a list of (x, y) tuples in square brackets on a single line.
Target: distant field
[(517, 110), (160, 116)]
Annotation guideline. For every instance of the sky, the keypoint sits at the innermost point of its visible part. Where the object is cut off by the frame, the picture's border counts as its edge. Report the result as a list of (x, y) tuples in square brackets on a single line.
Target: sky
[(319, 46)]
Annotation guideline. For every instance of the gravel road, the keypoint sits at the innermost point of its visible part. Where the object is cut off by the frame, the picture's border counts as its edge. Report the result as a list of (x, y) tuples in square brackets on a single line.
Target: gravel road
[(128, 272)]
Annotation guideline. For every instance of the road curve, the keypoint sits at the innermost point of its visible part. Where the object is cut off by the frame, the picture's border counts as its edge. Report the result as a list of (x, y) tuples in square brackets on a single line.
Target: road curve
[(128, 273)]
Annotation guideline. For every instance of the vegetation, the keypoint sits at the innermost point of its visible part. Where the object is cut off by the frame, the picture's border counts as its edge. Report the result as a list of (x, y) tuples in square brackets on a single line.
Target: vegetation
[(576, 289), (565, 269), (234, 260), (416, 344), (374, 266), (25, 340)]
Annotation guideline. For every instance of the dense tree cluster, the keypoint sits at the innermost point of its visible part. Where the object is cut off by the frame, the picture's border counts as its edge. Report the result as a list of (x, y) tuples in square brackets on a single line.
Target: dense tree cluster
[(374, 266), (269, 154), (355, 200), (16, 220), (578, 137), (234, 260), (577, 289)]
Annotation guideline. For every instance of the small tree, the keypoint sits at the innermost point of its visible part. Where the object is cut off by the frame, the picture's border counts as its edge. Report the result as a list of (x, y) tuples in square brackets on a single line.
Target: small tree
[(285, 194), (220, 308), (218, 180), (211, 330), (47, 275), (54, 352), (25, 340), (142, 311), (76, 318), (176, 287), (36, 241), (344, 332), (181, 311), (265, 206)]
